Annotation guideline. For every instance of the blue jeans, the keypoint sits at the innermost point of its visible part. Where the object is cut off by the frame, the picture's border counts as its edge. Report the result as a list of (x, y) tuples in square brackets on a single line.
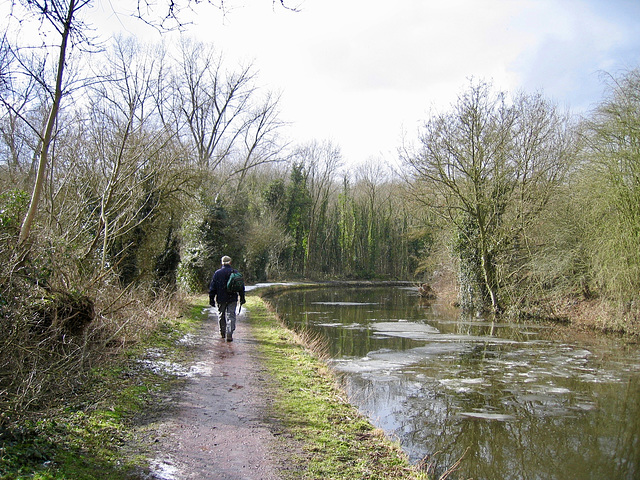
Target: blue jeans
[(227, 317)]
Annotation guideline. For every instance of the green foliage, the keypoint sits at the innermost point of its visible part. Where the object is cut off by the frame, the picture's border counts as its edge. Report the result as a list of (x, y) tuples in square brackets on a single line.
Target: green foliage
[(13, 205), (190, 272), (166, 264), (346, 230), (473, 291), (214, 234), (612, 170), (298, 202), (274, 196), (215, 228)]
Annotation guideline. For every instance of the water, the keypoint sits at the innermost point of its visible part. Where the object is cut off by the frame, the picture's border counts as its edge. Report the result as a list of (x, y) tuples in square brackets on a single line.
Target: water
[(514, 401)]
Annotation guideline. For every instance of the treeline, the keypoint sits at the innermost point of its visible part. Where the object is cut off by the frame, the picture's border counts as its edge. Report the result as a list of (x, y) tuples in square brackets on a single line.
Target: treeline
[(304, 218), (159, 160)]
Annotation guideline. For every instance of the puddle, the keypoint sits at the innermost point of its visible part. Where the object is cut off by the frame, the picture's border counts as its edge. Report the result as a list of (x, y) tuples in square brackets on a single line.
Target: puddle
[(163, 470)]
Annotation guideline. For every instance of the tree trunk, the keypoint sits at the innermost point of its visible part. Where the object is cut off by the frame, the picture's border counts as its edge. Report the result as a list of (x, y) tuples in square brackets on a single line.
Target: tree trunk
[(25, 230), (490, 282)]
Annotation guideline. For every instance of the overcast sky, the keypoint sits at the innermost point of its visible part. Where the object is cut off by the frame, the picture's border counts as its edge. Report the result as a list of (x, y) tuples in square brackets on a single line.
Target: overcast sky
[(359, 72)]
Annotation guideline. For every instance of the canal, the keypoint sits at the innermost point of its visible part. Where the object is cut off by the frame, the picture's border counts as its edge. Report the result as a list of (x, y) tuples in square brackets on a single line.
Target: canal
[(513, 401)]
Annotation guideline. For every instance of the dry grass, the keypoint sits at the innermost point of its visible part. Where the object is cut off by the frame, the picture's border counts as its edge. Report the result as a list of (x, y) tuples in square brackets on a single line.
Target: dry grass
[(46, 354), (592, 314), (601, 315)]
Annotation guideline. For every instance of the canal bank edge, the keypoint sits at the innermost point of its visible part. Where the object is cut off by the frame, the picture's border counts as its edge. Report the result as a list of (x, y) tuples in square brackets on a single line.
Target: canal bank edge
[(333, 440), (573, 315)]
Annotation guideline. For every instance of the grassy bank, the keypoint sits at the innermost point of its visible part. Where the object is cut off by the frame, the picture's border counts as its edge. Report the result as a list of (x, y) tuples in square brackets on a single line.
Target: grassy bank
[(334, 441)]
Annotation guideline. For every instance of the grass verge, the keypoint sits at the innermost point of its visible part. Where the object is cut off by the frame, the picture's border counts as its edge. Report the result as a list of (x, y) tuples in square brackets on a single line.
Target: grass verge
[(334, 440)]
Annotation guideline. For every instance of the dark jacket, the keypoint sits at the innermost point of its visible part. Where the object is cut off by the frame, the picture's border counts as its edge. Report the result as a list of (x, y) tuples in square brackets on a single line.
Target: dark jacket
[(218, 287)]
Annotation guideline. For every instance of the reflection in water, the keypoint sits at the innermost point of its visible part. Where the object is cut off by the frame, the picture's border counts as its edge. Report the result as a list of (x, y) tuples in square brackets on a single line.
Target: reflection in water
[(525, 405)]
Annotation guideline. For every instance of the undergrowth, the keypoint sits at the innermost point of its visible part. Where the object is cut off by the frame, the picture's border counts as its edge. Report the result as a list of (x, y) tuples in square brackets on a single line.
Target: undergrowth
[(91, 434)]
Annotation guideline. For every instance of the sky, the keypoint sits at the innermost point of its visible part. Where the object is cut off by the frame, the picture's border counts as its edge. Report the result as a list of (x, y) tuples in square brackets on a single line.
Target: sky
[(365, 73)]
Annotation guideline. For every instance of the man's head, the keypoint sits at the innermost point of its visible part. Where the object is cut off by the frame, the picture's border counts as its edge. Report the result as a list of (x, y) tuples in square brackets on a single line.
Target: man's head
[(226, 260)]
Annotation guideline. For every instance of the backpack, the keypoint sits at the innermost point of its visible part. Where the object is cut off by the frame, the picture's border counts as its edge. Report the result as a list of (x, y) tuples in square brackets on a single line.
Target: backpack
[(235, 284)]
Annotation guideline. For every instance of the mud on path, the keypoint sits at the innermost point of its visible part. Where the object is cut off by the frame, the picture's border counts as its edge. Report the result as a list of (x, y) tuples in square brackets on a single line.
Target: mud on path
[(219, 429)]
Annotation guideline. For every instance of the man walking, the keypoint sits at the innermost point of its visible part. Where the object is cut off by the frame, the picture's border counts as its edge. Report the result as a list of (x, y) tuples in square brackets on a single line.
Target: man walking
[(225, 300)]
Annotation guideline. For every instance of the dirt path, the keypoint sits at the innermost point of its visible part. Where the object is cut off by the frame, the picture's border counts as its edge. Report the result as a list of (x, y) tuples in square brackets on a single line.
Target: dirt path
[(218, 430)]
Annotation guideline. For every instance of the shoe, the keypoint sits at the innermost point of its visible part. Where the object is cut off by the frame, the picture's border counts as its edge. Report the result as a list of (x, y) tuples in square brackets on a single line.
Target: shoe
[(222, 334), (229, 337)]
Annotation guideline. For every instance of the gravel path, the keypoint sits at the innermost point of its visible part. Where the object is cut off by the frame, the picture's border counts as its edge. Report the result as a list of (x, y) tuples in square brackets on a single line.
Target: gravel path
[(219, 429)]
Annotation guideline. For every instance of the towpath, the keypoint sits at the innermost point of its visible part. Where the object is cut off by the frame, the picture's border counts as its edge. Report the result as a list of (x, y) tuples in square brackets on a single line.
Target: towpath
[(219, 429)]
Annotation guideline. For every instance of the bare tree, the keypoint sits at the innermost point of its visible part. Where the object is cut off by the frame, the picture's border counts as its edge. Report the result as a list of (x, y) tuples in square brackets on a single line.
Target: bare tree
[(321, 161), (136, 167), (488, 168), (373, 192), (260, 141), (611, 175), (64, 19), (21, 121), (213, 102)]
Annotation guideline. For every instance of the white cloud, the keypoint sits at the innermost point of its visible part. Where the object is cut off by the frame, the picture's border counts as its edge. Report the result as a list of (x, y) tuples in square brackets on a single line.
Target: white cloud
[(357, 71), (571, 42)]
